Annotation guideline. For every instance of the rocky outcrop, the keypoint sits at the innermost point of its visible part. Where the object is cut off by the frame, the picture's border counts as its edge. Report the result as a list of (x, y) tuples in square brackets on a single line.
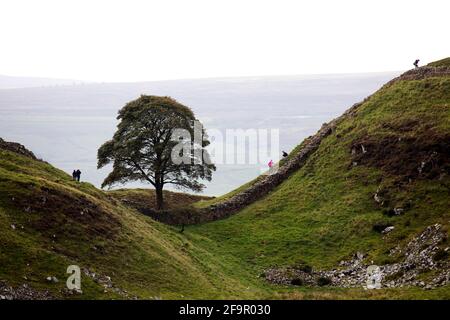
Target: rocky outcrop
[(17, 148), (421, 255), (23, 292)]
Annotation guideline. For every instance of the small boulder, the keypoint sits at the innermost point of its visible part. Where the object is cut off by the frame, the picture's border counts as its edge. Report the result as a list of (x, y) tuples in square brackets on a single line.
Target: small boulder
[(52, 279), (387, 230)]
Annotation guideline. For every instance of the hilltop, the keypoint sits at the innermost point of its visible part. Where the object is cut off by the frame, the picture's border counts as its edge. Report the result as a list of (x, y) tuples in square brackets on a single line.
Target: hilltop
[(371, 187)]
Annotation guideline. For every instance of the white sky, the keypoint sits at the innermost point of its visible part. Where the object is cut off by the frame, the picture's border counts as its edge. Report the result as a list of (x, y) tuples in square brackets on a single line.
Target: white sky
[(131, 40)]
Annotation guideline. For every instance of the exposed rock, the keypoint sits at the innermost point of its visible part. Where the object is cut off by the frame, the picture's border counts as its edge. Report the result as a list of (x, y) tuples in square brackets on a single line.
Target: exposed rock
[(17, 148), (107, 283), (418, 258), (359, 255), (52, 279), (388, 229), (71, 292), (378, 198), (23, 292)]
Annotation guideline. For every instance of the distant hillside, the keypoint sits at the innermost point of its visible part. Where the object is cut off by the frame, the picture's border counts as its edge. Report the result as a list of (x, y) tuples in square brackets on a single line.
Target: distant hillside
[(9, 82)]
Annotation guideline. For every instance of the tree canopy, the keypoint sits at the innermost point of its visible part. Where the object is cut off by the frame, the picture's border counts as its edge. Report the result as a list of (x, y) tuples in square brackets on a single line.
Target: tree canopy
[(154, 143)]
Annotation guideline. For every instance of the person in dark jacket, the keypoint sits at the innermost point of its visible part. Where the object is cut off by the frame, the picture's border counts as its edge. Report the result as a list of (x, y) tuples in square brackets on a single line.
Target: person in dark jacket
[(78, 176), (74, 175), (416, 63)]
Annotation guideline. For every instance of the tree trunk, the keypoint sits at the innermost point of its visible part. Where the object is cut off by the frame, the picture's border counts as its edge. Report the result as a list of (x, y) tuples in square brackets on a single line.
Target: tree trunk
[(159, 198)]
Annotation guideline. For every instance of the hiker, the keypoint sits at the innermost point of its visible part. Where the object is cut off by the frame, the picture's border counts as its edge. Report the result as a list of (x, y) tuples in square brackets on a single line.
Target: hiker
[(270, 164), (74, 175), (285, 154), (416, 63), (78, 175)]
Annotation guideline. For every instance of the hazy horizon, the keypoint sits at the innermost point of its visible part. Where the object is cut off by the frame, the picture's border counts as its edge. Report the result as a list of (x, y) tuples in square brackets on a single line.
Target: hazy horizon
[(20, 82)]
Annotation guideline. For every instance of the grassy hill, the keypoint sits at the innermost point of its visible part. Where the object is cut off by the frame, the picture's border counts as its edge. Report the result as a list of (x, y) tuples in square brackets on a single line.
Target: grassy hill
[(326, 211), (48, 222), (386, 163)]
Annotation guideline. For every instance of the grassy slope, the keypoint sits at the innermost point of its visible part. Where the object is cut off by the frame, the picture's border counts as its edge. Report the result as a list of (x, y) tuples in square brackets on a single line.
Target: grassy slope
[(145, 198), (440, 63), (141, 256), (325, 211)]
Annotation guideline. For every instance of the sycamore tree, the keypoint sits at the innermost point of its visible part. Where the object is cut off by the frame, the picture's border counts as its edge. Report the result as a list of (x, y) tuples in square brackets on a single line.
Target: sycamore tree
[(158, 141)]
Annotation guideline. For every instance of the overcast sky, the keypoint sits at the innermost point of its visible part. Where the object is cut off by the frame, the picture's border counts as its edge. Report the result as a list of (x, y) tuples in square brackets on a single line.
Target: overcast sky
[(131, 40)]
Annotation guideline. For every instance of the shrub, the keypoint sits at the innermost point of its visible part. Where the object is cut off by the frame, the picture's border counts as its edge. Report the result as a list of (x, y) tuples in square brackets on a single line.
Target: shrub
[(297, 282), (323, 281)]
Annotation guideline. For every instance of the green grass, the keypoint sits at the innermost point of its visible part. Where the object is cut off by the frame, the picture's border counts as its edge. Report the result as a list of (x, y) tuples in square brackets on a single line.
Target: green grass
[(145, 198), (322, 214), (440, 63)]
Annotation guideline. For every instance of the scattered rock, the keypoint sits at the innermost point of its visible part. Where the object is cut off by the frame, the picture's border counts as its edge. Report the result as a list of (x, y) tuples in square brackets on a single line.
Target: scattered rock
[(107, 284), (418, 258), (388, 229), (71, 292), (359, 255), (52, 279), (23, 292), (377, 198)]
